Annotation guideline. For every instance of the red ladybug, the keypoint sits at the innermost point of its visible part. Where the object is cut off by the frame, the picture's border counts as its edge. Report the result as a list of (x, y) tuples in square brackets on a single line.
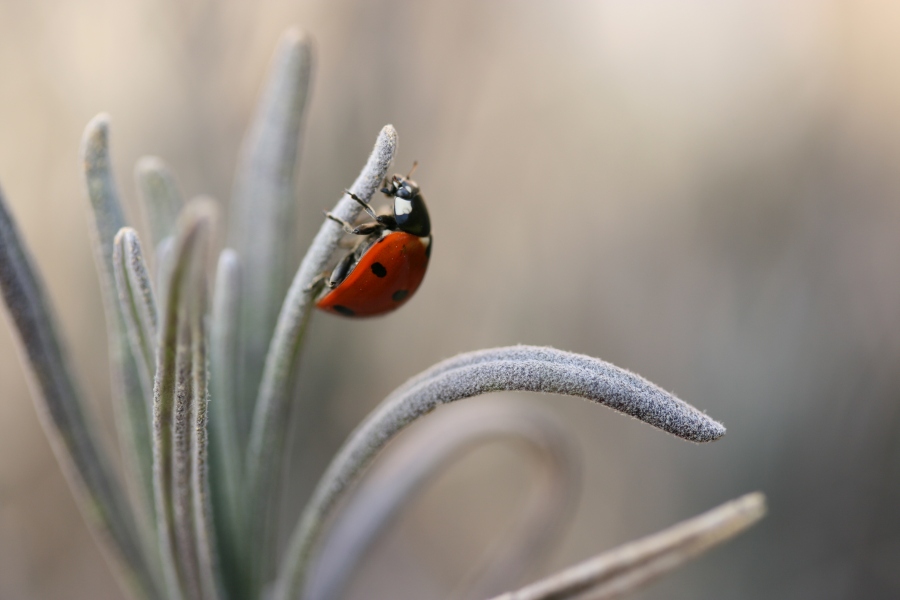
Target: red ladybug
[(386, 267)]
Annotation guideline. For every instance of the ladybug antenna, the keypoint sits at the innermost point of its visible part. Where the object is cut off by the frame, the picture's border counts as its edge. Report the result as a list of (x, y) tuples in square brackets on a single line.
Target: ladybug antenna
[(413, 170)]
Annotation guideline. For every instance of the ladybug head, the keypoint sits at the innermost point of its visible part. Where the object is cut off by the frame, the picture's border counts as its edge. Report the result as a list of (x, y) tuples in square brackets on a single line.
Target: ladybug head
[(409, 207), (401, 187)]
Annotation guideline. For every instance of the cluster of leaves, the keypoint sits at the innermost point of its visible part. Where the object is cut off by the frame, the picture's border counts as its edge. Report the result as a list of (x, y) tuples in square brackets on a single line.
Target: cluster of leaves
[(202, 385)]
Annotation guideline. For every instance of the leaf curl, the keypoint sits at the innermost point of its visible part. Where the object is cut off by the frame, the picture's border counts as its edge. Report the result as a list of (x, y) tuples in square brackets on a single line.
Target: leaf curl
[(421, 455), (518, 368)]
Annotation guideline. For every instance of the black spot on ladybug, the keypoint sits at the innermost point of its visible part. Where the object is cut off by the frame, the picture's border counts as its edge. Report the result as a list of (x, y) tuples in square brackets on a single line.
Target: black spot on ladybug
[(343, 310), (379, 269), (400, 295)]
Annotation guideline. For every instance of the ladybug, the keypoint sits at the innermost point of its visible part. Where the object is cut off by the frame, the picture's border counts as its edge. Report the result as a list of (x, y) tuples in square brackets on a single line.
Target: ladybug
[(386, 266)]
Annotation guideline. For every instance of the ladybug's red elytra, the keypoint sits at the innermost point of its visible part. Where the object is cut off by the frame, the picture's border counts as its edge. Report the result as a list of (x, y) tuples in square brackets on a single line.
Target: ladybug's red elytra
[(386, 266)]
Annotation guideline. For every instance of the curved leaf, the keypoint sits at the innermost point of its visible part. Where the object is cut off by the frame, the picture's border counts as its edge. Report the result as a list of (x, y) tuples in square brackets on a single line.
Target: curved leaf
[(422, 455), (519, 368)]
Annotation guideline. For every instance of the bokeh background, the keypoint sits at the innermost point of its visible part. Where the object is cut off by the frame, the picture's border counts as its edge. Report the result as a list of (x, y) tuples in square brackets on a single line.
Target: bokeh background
[(703, 192)]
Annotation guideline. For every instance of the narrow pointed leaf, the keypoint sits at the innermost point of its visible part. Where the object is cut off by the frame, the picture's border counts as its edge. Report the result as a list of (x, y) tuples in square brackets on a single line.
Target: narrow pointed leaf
[(63, 413), (137, 303), (163, 265), (182, 426), (628, 567), (172, 382), (630, 393), (138, 309), (160, 198), (103, 194), (207, 558), (131, 403), (267, 435), (520, 368), (226, 450), (263, 207)]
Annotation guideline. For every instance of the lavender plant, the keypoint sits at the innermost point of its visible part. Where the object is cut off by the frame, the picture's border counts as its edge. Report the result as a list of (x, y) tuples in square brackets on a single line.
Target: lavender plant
[(203, 380)]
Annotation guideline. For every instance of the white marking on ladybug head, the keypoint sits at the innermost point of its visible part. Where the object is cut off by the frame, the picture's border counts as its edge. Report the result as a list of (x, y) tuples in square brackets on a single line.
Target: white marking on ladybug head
[(402, 206)]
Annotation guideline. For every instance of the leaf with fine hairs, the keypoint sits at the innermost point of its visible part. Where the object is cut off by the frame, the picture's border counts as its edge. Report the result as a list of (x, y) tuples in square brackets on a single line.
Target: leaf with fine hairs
[(137, 302), (173, 389), (517, 368), (131, 402), (226, 445), (160, 198), (64, 415), (267, 436), (263, 209), (211, 583), (195, 538)]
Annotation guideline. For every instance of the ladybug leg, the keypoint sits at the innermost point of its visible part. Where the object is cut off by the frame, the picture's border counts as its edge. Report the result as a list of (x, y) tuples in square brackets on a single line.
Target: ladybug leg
[(387, 222), (368, 228), (341, 270), (347, 227), (363, 229), (362, 203), (383, 221), (317, 282)]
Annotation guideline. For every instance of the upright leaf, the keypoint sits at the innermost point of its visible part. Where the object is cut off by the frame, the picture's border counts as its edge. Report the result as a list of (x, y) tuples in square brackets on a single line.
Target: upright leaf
[(63, 413), (137, 303), (267, 436), (172, 389), (131, 403), (263, 207), (160, 198), (226, 451)]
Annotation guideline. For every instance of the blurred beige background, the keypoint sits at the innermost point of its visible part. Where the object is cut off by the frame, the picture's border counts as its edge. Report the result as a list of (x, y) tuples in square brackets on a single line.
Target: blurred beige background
[(703, 192)]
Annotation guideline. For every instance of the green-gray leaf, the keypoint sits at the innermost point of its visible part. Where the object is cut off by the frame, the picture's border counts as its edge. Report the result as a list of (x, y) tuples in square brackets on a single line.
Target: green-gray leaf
[(518, 368), (160, 198), (622, 570), (267, 436), (63, 412), (173, 387), (263, 214)]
